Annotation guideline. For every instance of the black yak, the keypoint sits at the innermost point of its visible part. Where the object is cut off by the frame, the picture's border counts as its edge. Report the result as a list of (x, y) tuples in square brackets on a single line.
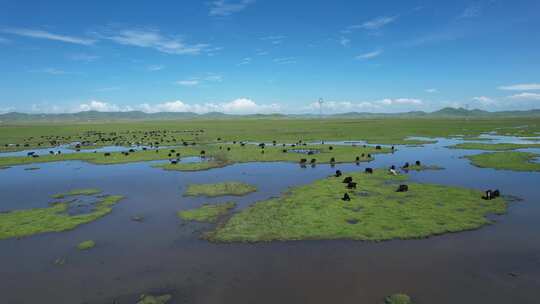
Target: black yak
[(313, 160), (284, 150), (303, 161), (496, 193), (357, 158), (418, 163), (346, 197), (338, 173), (369, 170), (402, 188), (351, 185), (107, 154), (347, 180), (330, 148), (406, 165), (332, 160)]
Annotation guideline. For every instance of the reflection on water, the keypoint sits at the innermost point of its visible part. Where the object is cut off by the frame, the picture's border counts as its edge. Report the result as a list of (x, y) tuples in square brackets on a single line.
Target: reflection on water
[(164, 253)]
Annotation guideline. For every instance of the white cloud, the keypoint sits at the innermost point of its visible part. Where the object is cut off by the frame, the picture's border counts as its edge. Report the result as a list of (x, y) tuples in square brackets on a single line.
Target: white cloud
[(155, 67), (344, 41), (6, 110), (370, 55), (225, 8), (432, 90), (277, 39), (521, 87), (470, 12), (3, 41), (245, 61), (237, 106), (49, 36), (188, 83), (383, 105), (83, 57), (526, 96), (484, 100), (373, 24), (285, 60), (151, 38), (101, 106)]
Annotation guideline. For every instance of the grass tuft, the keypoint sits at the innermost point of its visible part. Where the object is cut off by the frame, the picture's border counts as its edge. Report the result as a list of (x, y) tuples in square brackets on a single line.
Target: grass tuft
[(86, 245), (219, 189)]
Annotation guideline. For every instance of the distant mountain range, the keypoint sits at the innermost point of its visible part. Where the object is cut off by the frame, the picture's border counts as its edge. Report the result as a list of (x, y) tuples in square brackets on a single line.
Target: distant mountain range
[(89, 116)]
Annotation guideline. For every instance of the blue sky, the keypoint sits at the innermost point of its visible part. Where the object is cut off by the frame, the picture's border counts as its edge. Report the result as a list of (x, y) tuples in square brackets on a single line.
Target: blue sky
[(263, 56)]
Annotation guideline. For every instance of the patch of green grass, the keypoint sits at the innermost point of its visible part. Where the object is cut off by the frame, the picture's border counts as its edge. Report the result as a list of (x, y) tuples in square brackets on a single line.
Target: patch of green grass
[(77, 192), (149, 299), (493, 147), (21, 223), (514, 161), (198, 166), (86, 245), (219, 189), (398, 298), (375, 212), (424, 167), (206, 213)]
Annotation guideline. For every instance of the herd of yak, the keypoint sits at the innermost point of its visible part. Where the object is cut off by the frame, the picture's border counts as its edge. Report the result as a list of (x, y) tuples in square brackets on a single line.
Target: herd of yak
[(154, 138)]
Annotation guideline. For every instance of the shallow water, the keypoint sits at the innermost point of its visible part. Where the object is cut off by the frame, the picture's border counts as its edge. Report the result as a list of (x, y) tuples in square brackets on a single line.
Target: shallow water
[(163, 253)]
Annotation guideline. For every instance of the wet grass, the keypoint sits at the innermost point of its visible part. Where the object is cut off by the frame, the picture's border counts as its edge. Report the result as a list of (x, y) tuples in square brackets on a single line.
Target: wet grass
[(398, 298), (513, 160), (375, 212), (77, 192), (188, 167), (219, 189), (424, 167), (376, 131), (157, 299), (206, 213), (22, 223), (493, 147), (86, 245)]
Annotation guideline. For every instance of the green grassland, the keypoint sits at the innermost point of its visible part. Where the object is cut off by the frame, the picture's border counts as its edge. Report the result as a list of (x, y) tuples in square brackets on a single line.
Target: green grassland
[(424, 167), (398, 298), (511, 160), (219, 189), (493, 147), (77, 192), (375, 212), (21, 223), (217, 157), (206, 213), (380, 131), (86, 245)]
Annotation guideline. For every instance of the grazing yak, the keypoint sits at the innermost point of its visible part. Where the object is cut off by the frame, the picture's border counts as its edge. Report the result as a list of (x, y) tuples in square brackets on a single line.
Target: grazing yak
[(51, 152), (332, 160), (377, 147), (262, 145), (363, 155), (347, 179), (491, 194), (330, 148), (228, 148), (30, 153), (284, 150), (174, 162), (406, 165), (369, 156), (351, 185), (338, 173), (402, 188), (107, 154), (35, 155), (357, 158), (313, 161), (418, 163), (369, 170), (346, 197), (203, 153), (303, 161)]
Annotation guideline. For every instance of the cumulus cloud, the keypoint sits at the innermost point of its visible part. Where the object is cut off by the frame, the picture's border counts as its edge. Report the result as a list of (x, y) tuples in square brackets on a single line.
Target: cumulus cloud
[(224, 8), (525, 96), (521, 87), (39, 34), (154, 39), (484, 100), (236, 106), (370, 55), (382, 105)]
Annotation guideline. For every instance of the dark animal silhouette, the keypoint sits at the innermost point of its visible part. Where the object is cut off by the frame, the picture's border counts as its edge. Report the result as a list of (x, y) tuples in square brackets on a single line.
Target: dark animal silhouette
[(488, 195), (347, 179), (393, 167), (402, 188), (30, 153), (406, 166), (369, 170), (357, 158), (418, 163), (496, 193), (338, 173), (332, 160), (351, 185), (330, 148), (377, 147), (107, 154), (284, 150), (303, 161), (369, 155), (228, 148), (313, 160), (346, 197)]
